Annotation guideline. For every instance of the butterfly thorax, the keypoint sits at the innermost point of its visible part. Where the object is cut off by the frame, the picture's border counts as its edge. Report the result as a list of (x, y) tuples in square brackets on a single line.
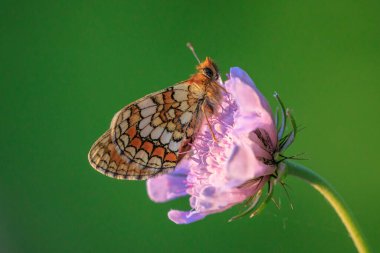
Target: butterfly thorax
[(207, 84)]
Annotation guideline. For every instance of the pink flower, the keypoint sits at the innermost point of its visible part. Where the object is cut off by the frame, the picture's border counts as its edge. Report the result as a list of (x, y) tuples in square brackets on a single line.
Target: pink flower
[(219, 175)]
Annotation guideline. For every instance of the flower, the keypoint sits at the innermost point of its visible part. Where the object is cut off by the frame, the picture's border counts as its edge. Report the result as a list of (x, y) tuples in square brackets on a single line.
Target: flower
[(219, 175)]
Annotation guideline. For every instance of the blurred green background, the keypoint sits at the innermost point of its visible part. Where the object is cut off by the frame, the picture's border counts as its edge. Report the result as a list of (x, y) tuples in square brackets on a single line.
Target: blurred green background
[(67, 66)]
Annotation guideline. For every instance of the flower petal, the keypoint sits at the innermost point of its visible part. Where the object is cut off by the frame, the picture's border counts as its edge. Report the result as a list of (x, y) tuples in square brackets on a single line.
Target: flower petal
[(243, 165), (245, 92), (169, 186), (254, 110), (223, 198), (180, 217)]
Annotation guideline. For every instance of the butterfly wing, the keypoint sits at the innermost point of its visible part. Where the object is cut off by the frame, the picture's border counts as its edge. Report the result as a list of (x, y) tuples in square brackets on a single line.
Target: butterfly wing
[(146, 137), (104, 158)]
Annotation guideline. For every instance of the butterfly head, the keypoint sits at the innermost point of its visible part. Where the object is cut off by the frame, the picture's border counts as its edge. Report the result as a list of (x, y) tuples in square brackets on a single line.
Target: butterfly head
[(208, 69)]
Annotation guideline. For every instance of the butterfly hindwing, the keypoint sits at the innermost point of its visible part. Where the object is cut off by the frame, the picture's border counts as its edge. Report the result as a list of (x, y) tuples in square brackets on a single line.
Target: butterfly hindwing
[(104, 158), (146, 137)]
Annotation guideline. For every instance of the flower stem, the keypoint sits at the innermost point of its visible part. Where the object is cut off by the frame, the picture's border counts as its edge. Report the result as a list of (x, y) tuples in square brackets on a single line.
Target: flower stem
[(335, 200)]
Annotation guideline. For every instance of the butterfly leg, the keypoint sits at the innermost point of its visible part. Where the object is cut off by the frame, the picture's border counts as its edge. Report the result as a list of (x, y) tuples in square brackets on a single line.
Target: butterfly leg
[(208, 123)]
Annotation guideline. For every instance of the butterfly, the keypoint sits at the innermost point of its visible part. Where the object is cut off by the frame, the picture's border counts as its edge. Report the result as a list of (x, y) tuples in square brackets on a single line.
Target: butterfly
[(150, 136)]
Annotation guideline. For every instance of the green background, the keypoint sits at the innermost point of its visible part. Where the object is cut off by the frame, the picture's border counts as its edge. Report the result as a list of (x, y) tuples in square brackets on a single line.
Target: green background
[(67, 66)]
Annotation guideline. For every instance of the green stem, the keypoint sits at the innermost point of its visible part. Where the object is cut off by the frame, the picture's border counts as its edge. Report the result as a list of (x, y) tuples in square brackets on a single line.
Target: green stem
[(334, 199)]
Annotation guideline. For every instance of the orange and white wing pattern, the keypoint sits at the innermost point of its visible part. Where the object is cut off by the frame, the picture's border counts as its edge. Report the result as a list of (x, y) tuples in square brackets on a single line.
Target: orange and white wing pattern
[(146, 137)]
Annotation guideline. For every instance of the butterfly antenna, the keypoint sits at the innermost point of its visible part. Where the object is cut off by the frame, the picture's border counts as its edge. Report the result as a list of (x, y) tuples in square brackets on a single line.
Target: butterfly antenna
[(193, 51)]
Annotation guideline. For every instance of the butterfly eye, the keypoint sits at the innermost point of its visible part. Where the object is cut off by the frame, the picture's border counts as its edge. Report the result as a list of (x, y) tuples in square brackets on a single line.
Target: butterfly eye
[(208, 72)]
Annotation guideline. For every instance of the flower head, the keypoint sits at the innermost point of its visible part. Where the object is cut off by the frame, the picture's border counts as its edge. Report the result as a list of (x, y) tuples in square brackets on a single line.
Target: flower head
[(223, 173)]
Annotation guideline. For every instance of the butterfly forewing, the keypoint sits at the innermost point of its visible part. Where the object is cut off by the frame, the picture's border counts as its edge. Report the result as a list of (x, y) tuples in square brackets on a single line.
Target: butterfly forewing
[(146, 137)]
